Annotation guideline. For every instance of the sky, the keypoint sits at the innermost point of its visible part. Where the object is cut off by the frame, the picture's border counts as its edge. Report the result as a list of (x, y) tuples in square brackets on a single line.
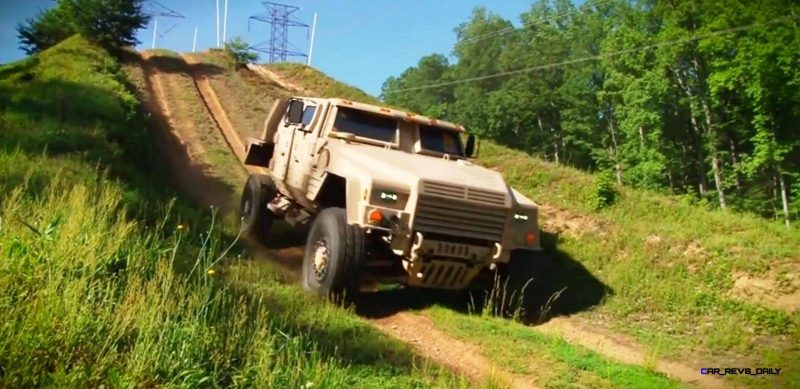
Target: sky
[(360, 42)]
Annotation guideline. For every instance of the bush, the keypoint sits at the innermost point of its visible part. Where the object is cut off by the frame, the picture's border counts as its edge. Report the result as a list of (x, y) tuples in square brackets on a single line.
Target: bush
[(240, 51), (604, 194)]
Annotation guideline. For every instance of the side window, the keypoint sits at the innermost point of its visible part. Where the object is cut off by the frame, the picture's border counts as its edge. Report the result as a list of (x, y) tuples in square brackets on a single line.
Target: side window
[(308, 114)]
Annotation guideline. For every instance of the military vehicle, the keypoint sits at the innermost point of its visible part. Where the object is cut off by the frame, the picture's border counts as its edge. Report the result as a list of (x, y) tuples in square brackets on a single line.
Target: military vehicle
[(391, 197)]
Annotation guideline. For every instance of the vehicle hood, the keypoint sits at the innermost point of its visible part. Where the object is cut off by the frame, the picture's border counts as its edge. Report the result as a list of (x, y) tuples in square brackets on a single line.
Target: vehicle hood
[(398, 168)]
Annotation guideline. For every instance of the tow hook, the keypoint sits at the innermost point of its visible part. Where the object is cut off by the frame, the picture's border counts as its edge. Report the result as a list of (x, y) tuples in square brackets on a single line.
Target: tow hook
[(416, 246), (498, 251)]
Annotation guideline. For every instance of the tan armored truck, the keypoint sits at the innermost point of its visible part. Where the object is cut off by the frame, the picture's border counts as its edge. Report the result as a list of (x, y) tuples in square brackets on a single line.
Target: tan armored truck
[(392, 197)]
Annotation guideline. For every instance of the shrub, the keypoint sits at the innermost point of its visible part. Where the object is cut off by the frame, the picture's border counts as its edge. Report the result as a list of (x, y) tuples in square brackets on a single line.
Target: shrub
[(604, 194), (240, 51)]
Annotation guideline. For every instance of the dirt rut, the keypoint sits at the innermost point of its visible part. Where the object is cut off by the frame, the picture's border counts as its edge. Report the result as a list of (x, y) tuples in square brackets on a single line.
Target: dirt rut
[(465, 358), (277, 78), (616, 347)]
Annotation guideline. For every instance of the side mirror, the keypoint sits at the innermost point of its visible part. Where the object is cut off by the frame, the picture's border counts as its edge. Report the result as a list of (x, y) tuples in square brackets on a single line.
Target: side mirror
[(295, 112), (469, 150)]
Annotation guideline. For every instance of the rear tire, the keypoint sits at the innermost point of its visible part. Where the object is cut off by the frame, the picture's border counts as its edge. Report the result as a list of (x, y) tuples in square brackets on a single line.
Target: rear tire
[(334, 257), (257, 219)]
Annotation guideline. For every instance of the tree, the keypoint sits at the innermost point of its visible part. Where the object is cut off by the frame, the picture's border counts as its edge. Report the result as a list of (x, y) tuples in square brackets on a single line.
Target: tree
[(240, 51), (692, 96), (45, 30), (109, 23), (430, 70)]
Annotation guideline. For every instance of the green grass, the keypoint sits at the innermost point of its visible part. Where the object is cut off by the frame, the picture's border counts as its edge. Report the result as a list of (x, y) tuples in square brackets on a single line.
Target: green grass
[(673, 289), (104, 275), (553, 361), (320, 83)]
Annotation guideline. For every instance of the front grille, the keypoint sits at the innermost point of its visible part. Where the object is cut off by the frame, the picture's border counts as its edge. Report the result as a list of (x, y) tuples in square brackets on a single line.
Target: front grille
[(444, 190), (486, 197), (458, 192), (459, 218)]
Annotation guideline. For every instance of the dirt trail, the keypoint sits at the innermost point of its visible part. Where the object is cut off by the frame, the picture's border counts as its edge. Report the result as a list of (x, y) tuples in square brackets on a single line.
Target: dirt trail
[(616, 347), (415, 330), (465, 358), (277, 78), (186, 158), (217, 112)]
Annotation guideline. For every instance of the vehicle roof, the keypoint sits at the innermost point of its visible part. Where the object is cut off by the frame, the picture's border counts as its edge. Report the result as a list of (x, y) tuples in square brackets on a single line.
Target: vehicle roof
[(404, 115)]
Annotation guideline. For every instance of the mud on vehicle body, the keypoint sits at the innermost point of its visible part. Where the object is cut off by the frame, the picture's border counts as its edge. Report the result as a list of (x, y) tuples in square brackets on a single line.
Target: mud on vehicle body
[(391, 196)]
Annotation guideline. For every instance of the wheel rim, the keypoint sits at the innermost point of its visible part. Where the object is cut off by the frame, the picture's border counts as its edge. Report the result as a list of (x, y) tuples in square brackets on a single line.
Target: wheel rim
[(321, 260)]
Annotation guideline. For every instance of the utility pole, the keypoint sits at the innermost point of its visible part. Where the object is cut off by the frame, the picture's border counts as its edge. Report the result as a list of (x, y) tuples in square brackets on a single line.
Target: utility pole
[(311, 46), (155, 29), (217, 23), (194, 41), (225, 25)]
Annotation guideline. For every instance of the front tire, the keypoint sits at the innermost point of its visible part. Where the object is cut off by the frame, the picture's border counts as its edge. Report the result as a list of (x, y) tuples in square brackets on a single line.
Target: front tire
[(334, 257), (257, 219)]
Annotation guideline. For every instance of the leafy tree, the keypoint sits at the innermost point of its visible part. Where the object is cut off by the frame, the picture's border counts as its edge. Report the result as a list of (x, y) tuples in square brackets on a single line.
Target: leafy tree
[(240, 51), (110, 23), (699, 97), (432, 69), (45, 30)]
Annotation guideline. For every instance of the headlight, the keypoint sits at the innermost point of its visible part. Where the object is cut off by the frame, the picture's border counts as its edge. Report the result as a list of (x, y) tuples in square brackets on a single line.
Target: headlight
[(388, 198), (520, 217), (524, 227)]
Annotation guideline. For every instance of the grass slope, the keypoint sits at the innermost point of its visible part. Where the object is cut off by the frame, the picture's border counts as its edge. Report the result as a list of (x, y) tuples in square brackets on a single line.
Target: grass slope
[(103, 282), (320, 83), (671, 266)]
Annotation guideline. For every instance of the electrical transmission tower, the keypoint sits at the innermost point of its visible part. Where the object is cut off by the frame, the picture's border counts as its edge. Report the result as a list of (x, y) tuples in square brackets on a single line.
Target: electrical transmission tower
[(280, 18)]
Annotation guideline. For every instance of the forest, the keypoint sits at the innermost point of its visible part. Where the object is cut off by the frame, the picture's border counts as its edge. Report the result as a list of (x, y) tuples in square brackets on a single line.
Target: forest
[(698, 98)]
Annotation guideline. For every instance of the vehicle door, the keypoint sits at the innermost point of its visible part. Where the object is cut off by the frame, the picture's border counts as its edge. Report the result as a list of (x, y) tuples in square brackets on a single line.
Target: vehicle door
[(303, 154), (284, 136)]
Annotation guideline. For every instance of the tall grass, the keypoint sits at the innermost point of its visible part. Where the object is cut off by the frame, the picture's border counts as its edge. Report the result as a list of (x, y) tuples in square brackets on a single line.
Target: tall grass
[(90, 297)]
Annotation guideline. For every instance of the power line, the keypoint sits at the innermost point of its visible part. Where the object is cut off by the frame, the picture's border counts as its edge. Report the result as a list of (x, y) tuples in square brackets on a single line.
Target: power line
[(601, 56), (158, 9), (524, 26)]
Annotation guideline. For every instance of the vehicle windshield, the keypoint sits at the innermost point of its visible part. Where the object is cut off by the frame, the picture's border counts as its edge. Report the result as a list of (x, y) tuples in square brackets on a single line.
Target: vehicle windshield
[(366, 125), (440, 140)]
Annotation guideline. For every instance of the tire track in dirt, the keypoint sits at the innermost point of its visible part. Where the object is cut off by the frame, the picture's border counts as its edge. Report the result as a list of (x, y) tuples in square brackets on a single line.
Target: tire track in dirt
[(277, 78), (214, 107), (185, 158), (421, 334), (616, 347)]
